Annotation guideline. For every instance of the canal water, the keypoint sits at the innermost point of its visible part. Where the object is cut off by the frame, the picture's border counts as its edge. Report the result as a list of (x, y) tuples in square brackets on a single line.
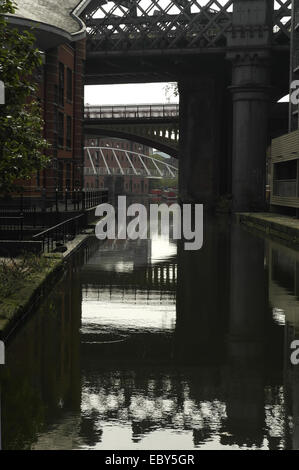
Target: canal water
[(142, 345)]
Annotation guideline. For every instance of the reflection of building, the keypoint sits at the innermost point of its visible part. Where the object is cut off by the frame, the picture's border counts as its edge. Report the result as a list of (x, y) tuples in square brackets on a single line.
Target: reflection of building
[(95, 169), (285, 149), (42, 376), (61, 37), (284, 295)]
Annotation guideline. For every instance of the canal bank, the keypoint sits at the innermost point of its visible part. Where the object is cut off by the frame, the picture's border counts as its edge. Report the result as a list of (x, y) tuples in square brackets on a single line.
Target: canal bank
[(279, 227), (28, 291)]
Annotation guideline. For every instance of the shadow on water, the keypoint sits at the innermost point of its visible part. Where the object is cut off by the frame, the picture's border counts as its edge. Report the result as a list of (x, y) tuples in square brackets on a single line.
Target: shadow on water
[(145, 345)]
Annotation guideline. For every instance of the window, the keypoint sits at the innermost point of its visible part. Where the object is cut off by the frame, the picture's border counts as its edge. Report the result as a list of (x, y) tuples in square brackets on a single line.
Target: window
[(60, 129), (69, 85), (69, 132), (61, 84)]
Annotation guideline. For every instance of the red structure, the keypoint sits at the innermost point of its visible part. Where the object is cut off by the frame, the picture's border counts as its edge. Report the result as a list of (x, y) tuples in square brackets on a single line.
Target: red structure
[(63, 113), (61, 38), (96, 178)]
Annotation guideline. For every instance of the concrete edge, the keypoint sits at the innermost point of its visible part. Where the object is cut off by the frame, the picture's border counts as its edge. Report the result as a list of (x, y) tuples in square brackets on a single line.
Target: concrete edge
[(22, 309), (284, 232), (48, 280)]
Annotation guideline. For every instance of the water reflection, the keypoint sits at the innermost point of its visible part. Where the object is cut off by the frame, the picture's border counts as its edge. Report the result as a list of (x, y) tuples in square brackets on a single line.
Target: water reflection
[(145, 345)]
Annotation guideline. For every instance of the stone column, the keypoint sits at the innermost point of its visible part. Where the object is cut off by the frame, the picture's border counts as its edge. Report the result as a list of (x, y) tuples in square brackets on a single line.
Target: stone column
[(249, 41), (250, 127), (200, 146)]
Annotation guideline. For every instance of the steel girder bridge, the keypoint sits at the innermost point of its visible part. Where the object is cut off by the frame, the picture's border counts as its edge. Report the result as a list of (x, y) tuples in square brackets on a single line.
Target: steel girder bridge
[(152, 125), (231, 59), (128, 163), (156, 40)]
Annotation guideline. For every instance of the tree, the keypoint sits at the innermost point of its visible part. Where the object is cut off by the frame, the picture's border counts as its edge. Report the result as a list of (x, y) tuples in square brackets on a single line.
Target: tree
[(171, 90), (21, 125)]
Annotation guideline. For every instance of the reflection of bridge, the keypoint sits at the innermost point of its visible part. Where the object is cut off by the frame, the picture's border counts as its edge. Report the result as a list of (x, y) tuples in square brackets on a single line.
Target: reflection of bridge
[(160, 277), (128, 264), (126, 163), (208, 47), (153, 125)]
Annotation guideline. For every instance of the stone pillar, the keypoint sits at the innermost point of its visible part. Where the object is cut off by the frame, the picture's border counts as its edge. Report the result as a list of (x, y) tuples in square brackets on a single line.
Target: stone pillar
[(248, 40), (250, 127), (200, 138)]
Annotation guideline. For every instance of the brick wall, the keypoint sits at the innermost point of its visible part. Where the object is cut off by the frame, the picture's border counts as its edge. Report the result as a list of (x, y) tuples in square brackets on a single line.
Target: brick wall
[(131, 184), (62, 98)]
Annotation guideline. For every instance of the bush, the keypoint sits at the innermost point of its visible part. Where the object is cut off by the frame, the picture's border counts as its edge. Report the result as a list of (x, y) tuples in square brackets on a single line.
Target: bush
[(14, 271)]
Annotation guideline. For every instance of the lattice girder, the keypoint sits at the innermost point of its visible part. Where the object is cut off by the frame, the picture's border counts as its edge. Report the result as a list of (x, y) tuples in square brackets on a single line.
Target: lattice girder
[(128, 25), (152, 24)]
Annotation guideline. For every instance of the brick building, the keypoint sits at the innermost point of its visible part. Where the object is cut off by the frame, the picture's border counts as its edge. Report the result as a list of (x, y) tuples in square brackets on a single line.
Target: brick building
[(95, 170), (285, 149), (60, 36)]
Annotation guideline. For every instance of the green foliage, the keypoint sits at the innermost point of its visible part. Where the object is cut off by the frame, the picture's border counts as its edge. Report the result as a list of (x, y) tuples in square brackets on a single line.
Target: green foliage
[(21, 126), (157, 156), (164, 183), (13, 272), (171, 90)]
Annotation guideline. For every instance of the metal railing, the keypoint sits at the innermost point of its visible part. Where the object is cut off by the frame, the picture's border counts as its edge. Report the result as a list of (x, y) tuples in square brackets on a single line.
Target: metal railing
[(134, 111), (92, 198), (34, 201), (11, 224), (101, 171), (61, 233)]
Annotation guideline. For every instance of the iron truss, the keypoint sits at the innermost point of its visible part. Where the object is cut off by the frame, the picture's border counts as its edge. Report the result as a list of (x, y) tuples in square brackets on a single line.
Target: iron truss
[(131, 25), (149, 167)]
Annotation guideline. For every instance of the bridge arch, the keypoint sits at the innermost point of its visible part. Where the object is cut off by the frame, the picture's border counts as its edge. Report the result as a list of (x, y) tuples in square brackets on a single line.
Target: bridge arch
[(153, 125), (171, 150)]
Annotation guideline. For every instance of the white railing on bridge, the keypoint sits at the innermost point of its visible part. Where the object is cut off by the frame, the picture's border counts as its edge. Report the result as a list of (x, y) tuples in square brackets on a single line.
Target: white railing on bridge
[(149, 167), (134, 111), (100, 171)]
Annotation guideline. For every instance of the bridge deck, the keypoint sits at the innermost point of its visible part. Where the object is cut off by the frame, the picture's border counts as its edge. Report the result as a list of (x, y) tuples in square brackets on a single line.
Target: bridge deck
[(133, 111)]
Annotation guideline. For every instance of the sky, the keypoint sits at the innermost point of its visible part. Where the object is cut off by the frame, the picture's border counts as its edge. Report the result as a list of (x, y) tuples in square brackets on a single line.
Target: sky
[(140, 93), (151, 6), (136, 93)]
